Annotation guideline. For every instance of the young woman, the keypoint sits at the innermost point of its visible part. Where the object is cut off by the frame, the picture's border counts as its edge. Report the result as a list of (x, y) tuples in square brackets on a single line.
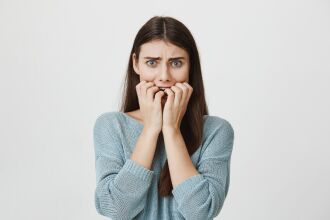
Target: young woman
[(162, 156)]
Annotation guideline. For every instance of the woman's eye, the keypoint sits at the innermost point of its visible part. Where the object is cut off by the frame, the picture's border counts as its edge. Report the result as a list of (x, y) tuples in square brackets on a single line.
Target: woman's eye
[(148, 62), (177, 62)]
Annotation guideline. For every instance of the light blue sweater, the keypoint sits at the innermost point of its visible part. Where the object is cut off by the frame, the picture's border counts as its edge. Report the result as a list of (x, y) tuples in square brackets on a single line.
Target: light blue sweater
[(127, 190)]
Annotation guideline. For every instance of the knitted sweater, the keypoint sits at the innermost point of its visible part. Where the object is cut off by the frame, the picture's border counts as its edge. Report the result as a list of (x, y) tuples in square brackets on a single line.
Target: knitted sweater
[(128, 190)]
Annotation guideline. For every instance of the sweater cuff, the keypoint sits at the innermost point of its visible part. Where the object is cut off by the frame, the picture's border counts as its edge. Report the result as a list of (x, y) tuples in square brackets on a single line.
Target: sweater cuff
[(138, 170), (186, 187)]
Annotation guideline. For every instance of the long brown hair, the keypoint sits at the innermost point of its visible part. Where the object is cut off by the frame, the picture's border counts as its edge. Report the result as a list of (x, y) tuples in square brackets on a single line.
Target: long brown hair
[(175, 32)]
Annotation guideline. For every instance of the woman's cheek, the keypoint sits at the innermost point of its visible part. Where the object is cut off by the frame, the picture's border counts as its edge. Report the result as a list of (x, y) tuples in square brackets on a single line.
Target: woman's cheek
[(182, 77), (148, 74)]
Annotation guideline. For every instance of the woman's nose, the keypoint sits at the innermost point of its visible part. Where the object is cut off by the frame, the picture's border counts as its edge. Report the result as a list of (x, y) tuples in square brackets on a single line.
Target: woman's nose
[(165, 73)]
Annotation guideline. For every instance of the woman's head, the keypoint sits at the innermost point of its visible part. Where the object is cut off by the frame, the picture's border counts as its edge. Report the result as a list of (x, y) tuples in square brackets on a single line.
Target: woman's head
[(166, 38), (162, 62)]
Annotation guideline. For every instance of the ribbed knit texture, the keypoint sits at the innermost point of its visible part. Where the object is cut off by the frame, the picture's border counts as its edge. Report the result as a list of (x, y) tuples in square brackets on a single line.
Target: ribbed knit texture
[(128, 190)]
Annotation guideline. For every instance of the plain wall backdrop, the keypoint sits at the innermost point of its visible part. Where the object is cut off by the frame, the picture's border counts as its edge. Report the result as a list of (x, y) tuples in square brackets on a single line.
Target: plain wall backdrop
[(266, 69)]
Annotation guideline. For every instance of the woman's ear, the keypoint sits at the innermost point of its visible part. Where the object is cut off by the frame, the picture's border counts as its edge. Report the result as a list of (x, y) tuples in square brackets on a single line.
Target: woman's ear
[(135, 65)]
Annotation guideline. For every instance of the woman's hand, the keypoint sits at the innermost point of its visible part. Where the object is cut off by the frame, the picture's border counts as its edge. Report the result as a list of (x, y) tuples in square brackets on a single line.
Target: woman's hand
[(176, 104), (150, 107)]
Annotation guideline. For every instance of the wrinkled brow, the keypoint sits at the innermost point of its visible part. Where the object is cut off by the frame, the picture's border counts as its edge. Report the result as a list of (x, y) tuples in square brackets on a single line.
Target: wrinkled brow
[(158, 58)]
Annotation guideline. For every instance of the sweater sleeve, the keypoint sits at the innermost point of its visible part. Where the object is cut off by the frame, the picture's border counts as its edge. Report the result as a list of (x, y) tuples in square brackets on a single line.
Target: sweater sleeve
[(121, 187), (202, 196)]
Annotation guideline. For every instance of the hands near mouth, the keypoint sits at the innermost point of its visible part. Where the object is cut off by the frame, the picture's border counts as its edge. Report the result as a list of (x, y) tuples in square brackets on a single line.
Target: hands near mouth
[(173, 101), (178, 97)]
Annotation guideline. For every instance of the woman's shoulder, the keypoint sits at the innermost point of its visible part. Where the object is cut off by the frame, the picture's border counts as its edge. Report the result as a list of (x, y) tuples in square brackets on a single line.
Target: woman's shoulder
[(117, 120), (108, 116), (214, 123), (214, 120), (108, 119), (218, 135)]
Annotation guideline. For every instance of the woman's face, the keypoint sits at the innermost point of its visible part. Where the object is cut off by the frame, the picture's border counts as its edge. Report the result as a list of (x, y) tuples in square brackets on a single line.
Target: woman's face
[(162, 63)]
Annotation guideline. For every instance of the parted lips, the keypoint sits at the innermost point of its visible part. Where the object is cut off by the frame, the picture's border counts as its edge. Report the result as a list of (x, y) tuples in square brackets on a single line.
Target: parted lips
[(162, 88)]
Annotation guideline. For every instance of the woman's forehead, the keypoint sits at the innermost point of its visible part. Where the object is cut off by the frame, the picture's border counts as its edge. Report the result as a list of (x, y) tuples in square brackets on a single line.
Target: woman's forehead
[(159, 48)]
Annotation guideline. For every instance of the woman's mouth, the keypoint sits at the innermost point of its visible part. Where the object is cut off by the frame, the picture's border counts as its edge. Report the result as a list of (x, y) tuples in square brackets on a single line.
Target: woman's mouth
[(163, 88)]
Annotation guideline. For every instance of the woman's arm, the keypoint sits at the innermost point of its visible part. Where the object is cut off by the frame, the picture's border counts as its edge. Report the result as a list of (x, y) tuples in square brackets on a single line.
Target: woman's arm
[(202, 196), (145, 148), (122, 186)]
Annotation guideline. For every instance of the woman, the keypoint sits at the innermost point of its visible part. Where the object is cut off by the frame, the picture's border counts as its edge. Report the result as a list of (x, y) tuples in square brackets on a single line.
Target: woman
[(162, 156)]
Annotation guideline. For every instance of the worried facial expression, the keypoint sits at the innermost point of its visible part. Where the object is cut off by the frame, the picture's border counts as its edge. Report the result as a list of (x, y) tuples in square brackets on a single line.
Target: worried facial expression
[(162, 63)]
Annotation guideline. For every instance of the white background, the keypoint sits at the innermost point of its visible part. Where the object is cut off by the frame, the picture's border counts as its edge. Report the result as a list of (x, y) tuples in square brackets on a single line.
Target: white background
[(266, 67)]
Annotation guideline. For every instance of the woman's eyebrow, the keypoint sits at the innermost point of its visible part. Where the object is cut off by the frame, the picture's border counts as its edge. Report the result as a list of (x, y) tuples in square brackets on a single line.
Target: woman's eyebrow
[(158, 58)]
